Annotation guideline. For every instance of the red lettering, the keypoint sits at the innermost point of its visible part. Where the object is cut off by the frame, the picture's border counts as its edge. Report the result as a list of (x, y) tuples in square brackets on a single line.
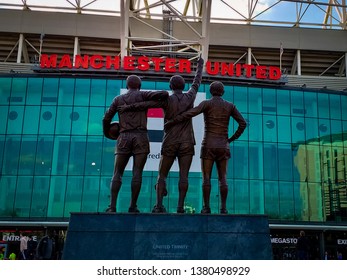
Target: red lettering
[(274, 73), (238, 70), (157, 62), (227, 69), (209, 69), (260, 72), (65, 61), (96, 61), (170, 65), (48, 62), (114, 62), (184, 66), (81, 62), (129, 63), (248, 68), (143, 64)]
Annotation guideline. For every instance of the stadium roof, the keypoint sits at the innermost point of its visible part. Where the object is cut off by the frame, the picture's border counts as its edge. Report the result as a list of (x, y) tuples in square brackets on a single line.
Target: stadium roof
[(329, 14)]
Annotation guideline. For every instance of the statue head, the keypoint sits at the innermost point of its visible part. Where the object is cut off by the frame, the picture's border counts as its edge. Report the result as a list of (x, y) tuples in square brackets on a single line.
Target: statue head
[(217, 89), (133, 82), (177, 82)]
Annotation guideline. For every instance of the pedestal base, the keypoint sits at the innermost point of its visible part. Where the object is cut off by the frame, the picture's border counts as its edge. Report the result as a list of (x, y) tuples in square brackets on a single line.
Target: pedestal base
[(107, 236)]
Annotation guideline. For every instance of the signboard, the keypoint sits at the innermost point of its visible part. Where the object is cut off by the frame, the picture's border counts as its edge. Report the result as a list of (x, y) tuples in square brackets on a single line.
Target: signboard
[(157, 65)]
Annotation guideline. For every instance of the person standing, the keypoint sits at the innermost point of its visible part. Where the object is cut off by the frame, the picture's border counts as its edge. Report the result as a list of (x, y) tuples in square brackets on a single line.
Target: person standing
[(215, 146), (46, 247), (32, 244), (23, 246), (132, 141), (178, 140), (302, 246)]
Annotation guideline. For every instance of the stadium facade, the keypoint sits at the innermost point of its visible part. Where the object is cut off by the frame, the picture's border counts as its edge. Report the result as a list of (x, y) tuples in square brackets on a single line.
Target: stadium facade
[(60, 71)]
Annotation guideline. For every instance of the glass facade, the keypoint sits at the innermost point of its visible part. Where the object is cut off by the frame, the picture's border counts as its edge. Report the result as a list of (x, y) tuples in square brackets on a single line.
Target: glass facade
[(289, 164)]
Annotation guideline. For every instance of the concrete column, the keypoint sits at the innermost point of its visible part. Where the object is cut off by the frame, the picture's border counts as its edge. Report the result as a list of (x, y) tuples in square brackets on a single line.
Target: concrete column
[(249, 56), (76, 49), (124, 28), (206, 17), (20, 48), (298, 57)]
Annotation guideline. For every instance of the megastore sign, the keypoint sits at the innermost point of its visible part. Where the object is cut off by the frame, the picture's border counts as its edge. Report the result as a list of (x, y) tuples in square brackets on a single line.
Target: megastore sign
[(157, 64)]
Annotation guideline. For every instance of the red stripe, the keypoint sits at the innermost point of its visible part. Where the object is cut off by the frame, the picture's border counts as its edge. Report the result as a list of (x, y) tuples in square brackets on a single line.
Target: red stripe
[(155, 113)]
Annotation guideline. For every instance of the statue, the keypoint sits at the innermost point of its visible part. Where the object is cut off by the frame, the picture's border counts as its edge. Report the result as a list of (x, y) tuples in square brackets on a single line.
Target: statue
[(215, 144), (178, 140), (132, 138)]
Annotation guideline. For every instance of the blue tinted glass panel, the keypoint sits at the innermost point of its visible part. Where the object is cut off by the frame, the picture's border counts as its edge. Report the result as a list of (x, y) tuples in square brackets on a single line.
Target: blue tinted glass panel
[(15, 120), (344, 106), (5, 90), (50, 91), (271, 199), (8, 191), (3, 116), (269, 102), (313, 165), (40, 196), (241, 197), (270, 161), (44, 158), (299, 162), (82, 92), (104, 193), (113, 90), (298, 129), (228, 93), (336, 133), (34, 91), (256, 193), (324, 130), (79, 118), (150, 85), (108, 157), (256, 160), (27, 155), (315, 199), (19, 90), (240, 160), (285, 162), (23, 196), (240, 99), (73, 197), (77, 156), (64, 120), (66, 91), (335, 106), (47, 119), (60, 155), (95, 120), (93, 156), (284, 129), (31, 119), (297, 103), (283, 102), (323, 105), (98, 93), (11, 155), (166, 86), (56, 196), (311, 129), (255, 100), (90, 194), (255, 127), (286, 196), (298, 201), (311, 104), (270, 128)]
